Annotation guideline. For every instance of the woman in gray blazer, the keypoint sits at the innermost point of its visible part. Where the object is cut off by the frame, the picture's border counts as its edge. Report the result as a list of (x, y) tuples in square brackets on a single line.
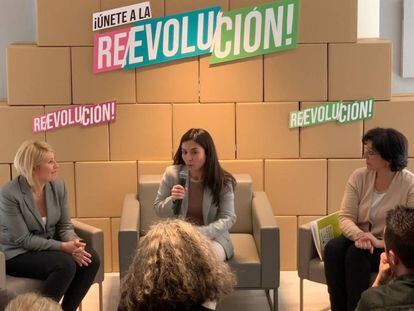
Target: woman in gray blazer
[(37, 236), (206, 197)]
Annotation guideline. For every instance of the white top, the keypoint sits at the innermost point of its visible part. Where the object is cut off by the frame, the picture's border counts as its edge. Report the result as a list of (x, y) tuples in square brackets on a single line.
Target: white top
[(374, 207), (44, 220)]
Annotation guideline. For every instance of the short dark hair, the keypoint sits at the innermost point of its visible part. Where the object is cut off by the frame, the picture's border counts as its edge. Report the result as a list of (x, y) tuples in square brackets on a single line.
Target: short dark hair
[(391, 145), (399, 234)]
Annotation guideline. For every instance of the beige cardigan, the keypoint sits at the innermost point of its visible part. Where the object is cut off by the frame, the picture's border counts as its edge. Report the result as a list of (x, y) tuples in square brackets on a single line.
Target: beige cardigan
[(357, 201)]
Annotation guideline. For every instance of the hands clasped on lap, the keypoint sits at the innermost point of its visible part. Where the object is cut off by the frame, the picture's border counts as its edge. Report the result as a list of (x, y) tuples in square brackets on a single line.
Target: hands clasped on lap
[(77, 249), (366, 240)]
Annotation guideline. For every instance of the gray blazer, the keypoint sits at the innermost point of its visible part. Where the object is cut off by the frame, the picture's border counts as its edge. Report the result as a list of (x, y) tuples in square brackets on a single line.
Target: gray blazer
[(217, 219), (22, 228)]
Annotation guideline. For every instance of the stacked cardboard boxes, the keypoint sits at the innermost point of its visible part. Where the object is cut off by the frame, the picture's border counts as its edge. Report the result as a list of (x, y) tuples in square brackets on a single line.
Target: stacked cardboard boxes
[(245, 105)]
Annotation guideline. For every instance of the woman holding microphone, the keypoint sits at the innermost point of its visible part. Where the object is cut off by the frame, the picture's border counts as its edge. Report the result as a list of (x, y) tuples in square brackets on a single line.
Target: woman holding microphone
[(207, 195)]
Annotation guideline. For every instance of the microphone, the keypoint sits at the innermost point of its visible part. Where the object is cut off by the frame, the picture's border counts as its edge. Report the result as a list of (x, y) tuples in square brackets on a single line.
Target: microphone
[(182, 180)]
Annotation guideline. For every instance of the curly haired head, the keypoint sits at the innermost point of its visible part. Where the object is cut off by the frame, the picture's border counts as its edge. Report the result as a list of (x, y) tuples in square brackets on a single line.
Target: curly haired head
[(33, 302), (174, 268)]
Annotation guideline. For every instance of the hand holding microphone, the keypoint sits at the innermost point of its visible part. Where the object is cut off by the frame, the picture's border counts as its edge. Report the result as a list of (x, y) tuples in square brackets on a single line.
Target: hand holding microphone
[(178, 191)]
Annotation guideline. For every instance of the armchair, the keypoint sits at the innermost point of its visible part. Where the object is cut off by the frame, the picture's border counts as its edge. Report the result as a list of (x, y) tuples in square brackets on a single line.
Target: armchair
[(93, 236), (255, 236)]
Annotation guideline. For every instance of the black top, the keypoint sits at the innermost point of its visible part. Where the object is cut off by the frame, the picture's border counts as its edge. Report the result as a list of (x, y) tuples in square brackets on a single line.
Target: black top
[(396, 295)]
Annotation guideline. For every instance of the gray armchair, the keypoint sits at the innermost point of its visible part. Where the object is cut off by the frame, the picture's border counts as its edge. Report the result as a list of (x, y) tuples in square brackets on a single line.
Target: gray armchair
[(255, 235), (310, 267), (93, 237)]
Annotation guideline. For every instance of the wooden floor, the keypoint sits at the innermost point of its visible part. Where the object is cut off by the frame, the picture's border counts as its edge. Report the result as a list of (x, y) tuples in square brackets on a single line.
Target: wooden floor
[(315, 296)]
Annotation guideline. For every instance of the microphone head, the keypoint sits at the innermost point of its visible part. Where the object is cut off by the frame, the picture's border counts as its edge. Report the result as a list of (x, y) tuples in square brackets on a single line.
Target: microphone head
[(183, 175)]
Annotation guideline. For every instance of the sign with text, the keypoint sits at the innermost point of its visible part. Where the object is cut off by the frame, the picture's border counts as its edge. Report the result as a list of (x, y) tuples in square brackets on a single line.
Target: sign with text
[(157, 40), (85, 115), (121, 16), (335, 111), (255, 31)]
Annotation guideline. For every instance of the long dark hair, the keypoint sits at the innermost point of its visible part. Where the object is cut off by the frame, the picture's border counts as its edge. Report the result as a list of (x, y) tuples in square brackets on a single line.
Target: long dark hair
[(215, 177)]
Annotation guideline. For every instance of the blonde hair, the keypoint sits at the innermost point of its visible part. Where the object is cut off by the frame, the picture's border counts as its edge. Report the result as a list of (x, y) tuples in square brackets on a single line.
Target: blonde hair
[(174, 268), (32, 302), (29, 155)]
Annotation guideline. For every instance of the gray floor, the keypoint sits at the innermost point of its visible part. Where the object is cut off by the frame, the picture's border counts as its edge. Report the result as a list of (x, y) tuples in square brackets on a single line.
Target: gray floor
[(315, 298)]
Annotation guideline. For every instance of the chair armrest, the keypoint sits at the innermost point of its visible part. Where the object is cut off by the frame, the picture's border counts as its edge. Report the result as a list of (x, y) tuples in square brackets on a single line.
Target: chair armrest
[(306, 250), (2, 271), (93, 237), (266, 236), (128, 235)]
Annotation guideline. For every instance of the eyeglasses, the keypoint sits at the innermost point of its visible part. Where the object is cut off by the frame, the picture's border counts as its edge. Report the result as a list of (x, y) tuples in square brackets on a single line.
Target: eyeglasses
[(369, 151)]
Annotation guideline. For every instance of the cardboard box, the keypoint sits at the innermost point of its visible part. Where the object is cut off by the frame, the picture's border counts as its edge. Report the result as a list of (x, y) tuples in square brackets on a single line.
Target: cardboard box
[(152, 167), (324, 140), (102, 186), (327, 21), (38, 75), (217, 119), (297, 75), (115, 222), (89, 88), (360, 70), (302, 220), (338, 175), (170, 82), (157, 6), (397, 114), (105, 225), (15, 128), (320, 21), (238, 81), (301, 190), (65, 23), (262, 131), (288, 242), (142, 132), (77, 143), (4, 174), (254, 168), (180, 6)]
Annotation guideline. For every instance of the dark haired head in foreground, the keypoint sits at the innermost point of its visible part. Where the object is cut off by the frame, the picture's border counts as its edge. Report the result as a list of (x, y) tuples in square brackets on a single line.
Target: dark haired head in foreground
[(393, 288)]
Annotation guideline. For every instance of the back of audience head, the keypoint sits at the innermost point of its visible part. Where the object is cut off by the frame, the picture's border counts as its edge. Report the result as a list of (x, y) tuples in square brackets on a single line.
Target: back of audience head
[(32, 302), (399, 237), (174, 268)]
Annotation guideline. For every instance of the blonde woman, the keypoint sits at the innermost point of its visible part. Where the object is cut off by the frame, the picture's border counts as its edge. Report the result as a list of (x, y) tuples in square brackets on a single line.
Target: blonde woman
[(37, 235), (32, 302), (175, 268)]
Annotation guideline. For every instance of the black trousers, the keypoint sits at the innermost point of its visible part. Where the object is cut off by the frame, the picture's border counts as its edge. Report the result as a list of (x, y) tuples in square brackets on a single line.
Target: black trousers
[(61, 274), (348, 272)]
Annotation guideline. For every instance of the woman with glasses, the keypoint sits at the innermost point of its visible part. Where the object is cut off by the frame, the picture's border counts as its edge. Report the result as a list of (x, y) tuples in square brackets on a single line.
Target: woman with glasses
[(370, 192)]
